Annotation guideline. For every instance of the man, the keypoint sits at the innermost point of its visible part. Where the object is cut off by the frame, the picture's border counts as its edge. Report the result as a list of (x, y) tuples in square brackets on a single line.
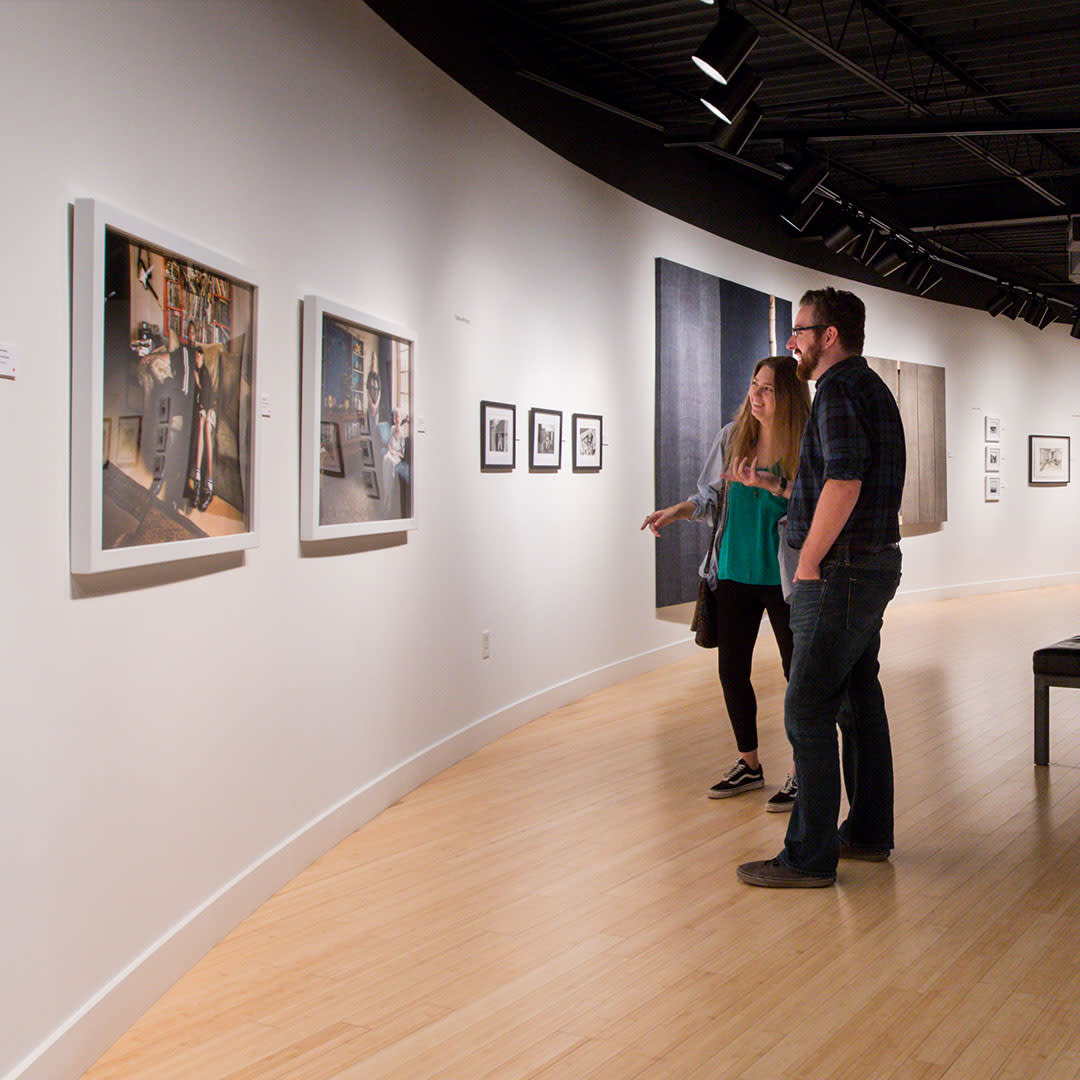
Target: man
[(844, 519)]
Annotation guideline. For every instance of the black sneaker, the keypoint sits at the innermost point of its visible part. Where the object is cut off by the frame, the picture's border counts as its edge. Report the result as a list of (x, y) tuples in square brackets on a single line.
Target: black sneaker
[(739, 778), (784, 799)]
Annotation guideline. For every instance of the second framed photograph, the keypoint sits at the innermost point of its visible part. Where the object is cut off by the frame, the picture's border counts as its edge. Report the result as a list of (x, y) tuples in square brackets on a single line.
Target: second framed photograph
[(1048, 459), (357, 463), (498, 436), (545, 440), (587, 434), (993, 458)]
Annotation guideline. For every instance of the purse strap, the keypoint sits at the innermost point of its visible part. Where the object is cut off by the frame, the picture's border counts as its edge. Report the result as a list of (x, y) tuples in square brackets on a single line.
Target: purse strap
[(715, 528)]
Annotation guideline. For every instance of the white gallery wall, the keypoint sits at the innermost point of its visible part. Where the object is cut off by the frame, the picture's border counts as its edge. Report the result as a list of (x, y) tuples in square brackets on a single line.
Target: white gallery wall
[(180, 740)]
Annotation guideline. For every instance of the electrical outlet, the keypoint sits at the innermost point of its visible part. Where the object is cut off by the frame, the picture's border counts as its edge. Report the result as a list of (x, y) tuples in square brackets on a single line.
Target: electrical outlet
[(485, 644)]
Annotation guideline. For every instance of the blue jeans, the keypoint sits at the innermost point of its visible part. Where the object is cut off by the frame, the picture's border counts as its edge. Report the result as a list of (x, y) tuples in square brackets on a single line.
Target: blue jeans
[(836, 629)]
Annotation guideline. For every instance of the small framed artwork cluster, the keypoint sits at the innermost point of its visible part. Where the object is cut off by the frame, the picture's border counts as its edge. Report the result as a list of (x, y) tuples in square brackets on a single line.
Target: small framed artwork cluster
[(498, 439), (1049, 459), (992, 452)]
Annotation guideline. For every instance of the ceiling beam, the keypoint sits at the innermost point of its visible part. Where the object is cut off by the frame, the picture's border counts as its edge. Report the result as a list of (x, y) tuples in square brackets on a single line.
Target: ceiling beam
[(857, 70), (921, 129)]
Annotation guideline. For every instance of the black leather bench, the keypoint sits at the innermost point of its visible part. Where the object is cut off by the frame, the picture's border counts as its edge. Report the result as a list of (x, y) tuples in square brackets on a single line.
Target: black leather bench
[(1054, 665)]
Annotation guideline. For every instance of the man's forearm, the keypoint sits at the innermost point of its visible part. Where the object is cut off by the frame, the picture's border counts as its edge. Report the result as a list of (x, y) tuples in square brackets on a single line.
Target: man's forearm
[(834, 507)]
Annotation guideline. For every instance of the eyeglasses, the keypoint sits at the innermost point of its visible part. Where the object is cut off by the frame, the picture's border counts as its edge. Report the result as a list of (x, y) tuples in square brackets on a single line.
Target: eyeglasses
[(815, 326)]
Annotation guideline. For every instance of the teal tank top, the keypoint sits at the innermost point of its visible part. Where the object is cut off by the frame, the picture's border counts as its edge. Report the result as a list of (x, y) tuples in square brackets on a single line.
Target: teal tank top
[(748, 546)]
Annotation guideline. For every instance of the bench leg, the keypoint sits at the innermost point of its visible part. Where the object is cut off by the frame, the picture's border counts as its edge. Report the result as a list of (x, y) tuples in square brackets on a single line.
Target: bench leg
[(1042, 721)]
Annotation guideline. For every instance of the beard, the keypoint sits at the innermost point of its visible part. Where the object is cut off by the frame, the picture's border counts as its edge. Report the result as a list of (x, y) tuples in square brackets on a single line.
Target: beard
[(808, 359)]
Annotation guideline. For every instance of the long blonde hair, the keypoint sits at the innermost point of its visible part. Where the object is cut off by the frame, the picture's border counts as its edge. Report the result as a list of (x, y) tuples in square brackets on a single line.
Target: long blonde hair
[(792, 410)]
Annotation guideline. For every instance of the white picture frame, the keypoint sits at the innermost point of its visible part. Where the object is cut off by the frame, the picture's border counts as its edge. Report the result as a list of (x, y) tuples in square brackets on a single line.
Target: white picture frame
[(145, 301), (993, 458), (992, 488), (359, 373), (992, 428)]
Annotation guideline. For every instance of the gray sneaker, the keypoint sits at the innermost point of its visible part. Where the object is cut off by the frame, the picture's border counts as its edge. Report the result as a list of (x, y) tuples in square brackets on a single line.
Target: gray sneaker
[(784, 799), (739, 778)]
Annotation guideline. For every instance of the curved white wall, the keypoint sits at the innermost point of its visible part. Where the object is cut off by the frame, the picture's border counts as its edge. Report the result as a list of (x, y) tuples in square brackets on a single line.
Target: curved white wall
[(179, 741)]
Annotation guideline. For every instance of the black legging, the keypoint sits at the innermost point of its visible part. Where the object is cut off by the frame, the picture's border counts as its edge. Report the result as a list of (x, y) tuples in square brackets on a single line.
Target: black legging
[(738, 615)]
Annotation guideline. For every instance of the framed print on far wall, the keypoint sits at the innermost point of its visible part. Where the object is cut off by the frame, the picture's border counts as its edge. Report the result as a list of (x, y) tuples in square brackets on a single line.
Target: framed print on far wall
[(1048, 459), (163, 336), (587, 434), (993, 488), (993, 458), (992, 428), (545, 440), (359, 378), (498, 436)]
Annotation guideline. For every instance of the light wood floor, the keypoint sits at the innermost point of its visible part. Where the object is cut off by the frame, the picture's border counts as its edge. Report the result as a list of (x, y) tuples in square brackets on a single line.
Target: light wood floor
[(564, 905)]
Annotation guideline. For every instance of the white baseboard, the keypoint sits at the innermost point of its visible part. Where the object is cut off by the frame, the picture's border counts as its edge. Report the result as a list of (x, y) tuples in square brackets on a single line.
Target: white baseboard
[(90, 1031), (980, 588)]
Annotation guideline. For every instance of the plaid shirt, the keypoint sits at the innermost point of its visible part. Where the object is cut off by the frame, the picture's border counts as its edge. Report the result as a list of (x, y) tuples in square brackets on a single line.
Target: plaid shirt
[(854, 433)]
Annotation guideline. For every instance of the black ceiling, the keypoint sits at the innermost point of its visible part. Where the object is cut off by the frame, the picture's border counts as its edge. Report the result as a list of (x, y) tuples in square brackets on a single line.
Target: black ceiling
[(954, 127)]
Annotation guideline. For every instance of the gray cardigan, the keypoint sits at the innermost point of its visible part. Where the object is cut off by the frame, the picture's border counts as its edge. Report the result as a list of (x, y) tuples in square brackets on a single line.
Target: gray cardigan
[(710, 499)]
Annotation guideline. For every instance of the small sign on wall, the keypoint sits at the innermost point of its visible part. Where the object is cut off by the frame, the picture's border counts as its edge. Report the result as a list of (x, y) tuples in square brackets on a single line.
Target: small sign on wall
[(7, 360)]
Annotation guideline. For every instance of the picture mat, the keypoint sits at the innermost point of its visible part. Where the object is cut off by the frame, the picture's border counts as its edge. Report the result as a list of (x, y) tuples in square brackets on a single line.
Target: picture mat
[(333, 507), (164, 534)]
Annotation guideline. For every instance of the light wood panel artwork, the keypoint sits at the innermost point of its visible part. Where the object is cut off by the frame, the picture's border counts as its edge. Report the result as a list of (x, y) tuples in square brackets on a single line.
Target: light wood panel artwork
[(919, 390), (563, 904)]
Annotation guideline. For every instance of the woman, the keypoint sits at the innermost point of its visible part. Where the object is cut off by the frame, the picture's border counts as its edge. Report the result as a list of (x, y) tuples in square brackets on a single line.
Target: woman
[(746, 481)]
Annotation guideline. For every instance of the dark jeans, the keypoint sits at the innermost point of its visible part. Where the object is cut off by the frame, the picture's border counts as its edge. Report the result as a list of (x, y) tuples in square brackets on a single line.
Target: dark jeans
[(739, 609), (836, 627)]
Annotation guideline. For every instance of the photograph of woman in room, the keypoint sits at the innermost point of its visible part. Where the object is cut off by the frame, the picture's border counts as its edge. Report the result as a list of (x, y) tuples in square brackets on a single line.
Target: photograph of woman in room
[(743, 488)]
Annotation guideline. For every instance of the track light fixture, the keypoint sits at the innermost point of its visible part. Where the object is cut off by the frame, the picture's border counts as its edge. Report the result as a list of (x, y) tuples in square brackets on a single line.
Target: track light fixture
[(726, 46), (799, 214), (726, 102), (804, 179), (1017, 306), (889, 260), (1048, 316), (1037, 310), (1001, 300), (868, 249), (918, 273), (841, 237), (734, 136), (931, 281)]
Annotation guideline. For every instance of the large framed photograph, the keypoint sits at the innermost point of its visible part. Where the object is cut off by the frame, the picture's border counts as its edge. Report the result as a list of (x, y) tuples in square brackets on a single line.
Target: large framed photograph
[(587, 433), (1048, 459), (358, 378), (498, 436), (164, 355), (545, 440)]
